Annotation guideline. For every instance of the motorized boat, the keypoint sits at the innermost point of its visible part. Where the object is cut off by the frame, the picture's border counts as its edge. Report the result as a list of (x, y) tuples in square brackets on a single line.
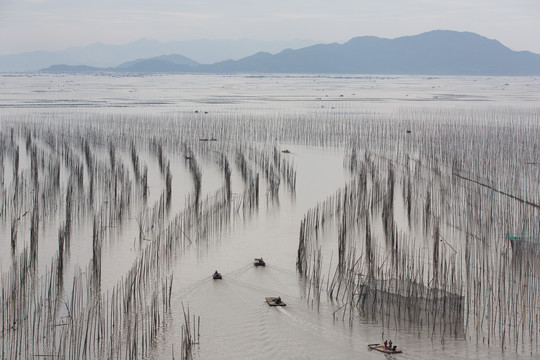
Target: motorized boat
[(275, 301), (259, 262), (217, 276), (381, 348)]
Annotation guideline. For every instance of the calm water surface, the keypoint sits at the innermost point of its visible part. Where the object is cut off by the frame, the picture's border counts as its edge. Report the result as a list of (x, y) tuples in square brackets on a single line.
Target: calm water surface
[(236, 323)]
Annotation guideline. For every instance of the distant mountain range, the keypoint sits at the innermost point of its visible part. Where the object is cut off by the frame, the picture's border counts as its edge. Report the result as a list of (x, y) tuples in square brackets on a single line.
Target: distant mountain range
[(436, 52), (163, 64), (439, 52), (101, 55)]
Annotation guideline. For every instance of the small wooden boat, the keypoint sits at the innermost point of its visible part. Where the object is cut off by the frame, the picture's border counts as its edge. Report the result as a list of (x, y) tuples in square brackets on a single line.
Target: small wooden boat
[(273, 301), (381, 348), (259, 262), (217, 276), (286, 151)]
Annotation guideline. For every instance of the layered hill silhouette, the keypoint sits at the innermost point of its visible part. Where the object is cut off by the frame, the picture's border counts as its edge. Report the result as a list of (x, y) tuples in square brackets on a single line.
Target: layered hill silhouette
[(104, 55), (162, 64), (439, 52)]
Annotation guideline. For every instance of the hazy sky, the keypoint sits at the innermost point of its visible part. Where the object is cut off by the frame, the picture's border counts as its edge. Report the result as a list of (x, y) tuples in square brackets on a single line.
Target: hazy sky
[(27, 25)]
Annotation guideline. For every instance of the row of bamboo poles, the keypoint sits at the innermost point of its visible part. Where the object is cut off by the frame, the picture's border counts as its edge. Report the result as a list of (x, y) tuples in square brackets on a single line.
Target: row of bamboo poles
[(421, 228), (88, 174)]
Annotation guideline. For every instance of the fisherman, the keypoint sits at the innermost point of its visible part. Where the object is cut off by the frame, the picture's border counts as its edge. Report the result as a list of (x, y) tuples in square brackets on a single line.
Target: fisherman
[(216, 273), (278, 300), (386, 344), (390, 345)]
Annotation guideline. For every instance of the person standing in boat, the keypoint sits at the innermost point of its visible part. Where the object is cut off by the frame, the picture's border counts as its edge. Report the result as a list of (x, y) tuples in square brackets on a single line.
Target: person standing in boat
[(390, 345), (386, 344)]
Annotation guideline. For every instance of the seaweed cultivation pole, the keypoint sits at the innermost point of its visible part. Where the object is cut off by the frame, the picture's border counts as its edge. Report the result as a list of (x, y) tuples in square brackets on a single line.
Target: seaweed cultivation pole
[(77, 317), (224, 164), (96, 256), (269, 166), (36, 319), (140, 172), (165, 169), (420, 231), (449, 266), (251, 182), (190, 334), (195, 173), (366, 279)]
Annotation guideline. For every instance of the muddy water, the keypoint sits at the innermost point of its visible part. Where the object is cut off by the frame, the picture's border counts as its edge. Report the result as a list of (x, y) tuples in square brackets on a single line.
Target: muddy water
[(240, 323), (236, 323)]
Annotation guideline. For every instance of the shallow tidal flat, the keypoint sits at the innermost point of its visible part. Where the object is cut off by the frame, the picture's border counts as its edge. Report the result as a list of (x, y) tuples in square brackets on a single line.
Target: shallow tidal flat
[(385, 207)]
